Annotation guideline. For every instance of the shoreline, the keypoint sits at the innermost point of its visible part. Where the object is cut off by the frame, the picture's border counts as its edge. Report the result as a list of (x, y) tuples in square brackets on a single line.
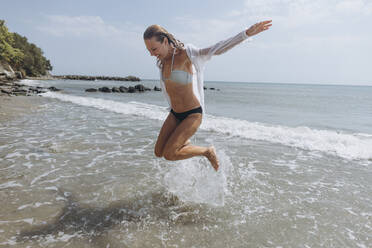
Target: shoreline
[(17, 99)]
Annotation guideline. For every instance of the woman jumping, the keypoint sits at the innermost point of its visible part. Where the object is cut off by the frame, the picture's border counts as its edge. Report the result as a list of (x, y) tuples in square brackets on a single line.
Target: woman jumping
[(181, 78)]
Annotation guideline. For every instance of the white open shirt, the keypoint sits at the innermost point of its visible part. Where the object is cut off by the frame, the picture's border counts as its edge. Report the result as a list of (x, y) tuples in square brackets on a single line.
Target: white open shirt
[(198, 57)]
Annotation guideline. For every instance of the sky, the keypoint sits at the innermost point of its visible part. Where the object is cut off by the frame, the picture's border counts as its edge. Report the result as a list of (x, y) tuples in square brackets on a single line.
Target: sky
[(311, 41)]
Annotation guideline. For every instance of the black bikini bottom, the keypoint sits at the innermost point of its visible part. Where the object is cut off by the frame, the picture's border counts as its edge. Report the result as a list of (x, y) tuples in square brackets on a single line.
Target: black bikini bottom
[(183, 115)]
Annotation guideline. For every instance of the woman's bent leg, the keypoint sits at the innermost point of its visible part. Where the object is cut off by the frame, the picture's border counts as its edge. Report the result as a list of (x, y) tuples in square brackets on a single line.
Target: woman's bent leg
[(166, 130), (175, 148)]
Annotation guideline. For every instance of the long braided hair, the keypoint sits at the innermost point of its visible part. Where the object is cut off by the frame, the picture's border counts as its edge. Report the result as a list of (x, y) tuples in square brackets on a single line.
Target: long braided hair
[(160, 33)]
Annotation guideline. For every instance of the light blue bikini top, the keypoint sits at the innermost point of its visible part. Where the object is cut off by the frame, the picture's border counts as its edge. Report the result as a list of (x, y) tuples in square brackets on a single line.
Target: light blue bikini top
[(178, 76)]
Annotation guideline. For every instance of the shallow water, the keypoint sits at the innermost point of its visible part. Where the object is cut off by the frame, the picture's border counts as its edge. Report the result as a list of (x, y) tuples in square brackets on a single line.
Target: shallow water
[(81, 173)]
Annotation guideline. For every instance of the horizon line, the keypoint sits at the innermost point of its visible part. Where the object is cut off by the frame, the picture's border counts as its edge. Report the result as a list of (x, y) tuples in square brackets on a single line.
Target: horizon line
[(256, 82)]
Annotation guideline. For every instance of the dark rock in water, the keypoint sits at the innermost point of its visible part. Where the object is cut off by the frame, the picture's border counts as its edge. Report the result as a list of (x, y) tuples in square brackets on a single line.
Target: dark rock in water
[(123, 89), (212, 88), (52, 88), (115, 89), (131, 89), (19, 74), (6, 91), (157, 89), (19, 90), (32, 88), (20, 93), (147, 89), (105, 89), (140, 87), (36, 90), (91, 90), (205, 88)]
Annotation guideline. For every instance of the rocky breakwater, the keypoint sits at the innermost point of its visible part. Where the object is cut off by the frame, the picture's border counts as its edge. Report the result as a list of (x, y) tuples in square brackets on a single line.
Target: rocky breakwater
[(123, 89), (93, 78), (130, 89), (12, 88)]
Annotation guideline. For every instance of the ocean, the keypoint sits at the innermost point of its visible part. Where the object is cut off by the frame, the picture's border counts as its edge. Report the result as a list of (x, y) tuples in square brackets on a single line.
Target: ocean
[(295, 169)]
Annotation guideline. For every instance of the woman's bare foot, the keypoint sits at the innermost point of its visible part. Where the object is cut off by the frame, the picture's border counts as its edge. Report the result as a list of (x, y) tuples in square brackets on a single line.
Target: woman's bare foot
[(212, 157)]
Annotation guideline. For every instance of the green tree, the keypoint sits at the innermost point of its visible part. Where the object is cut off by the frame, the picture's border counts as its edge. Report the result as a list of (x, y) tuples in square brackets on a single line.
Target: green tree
[(8, 53), (20, 54)]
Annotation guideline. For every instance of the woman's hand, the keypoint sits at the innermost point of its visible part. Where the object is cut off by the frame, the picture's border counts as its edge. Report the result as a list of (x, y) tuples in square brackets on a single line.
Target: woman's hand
[(258, 28)]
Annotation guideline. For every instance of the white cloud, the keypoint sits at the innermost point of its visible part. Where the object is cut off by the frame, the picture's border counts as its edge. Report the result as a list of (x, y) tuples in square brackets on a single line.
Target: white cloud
[(124, 35), (59, 25), (301, 12), (90, 26), (354, 7), (203, 31)]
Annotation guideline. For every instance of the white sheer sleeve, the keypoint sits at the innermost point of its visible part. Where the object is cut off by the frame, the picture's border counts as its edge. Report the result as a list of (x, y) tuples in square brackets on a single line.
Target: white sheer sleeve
[(199, 56), (222, 46)]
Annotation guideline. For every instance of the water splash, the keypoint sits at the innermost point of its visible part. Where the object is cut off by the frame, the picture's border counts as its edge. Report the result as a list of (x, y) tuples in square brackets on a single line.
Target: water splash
[(194, 180)]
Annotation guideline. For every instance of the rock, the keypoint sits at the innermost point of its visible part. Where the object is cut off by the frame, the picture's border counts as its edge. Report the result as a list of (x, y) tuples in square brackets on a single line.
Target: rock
[(131, 89), (18, 74), (36, 90), (147, 89), (19, 93), (6, 71), (105, 89), (157, 89), (204, 87), (123, 89), (6, 91), (3, 78), (52, 88), (140, 87), (115, 89), (132, 78), (212, 88), (91, 90), (32, 88), (20, 85), (9, 84), (19, 90)]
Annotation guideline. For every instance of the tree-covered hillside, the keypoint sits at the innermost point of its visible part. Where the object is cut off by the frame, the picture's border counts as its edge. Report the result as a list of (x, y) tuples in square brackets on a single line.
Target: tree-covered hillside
[(21, 55)]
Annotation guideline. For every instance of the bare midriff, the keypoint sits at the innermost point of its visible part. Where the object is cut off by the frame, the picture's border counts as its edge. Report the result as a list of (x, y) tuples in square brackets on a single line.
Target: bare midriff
[(182, 96)]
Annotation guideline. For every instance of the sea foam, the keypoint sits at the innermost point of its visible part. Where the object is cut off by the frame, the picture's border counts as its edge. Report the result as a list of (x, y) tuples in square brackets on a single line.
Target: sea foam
[(345, 145)]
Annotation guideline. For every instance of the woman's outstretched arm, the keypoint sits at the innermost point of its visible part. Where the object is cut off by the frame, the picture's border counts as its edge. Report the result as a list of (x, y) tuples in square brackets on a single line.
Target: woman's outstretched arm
[(225, 45)]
